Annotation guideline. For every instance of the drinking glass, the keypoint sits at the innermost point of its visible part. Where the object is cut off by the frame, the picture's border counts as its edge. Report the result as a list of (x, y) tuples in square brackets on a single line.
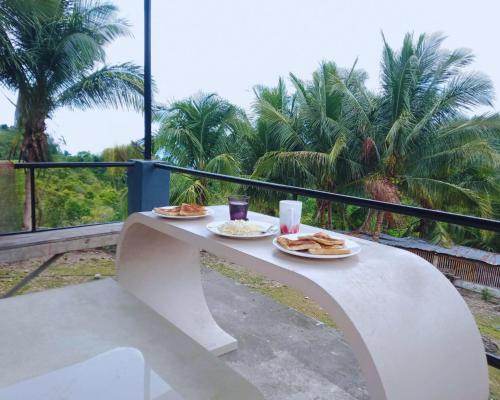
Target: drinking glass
[(238, 207), (290, 213)]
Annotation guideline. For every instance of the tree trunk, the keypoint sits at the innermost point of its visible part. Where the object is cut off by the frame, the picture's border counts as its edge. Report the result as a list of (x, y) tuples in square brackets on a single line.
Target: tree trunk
[(365, 228), (318, 211), (330, 222), (341, 209), (378, 225), (425, 226), (27, 201), (34, 149), (202, 198), (322, 214)]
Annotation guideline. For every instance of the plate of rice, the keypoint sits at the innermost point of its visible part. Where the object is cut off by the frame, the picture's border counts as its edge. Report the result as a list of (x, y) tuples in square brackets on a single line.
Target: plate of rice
[(243, 229)]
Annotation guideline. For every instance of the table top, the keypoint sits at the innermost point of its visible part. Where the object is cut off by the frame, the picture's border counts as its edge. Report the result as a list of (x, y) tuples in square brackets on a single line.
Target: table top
[(364, 270), (397, 310), (97, 341), (120, 373), (376, 267)]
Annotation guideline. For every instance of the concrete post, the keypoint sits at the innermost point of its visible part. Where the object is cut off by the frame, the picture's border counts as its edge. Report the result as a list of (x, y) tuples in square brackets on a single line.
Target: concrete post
[(148, 187)]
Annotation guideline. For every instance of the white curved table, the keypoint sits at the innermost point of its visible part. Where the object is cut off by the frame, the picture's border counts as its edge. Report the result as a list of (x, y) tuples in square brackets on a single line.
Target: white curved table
[(412, 333)]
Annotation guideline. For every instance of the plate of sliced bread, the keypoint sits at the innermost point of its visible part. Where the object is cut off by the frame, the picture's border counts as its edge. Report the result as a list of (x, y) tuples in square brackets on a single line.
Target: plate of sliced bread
[(184, 211), (317, 245)]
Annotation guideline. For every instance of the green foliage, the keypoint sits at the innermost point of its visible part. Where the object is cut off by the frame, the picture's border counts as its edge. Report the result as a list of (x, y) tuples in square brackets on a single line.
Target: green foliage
[(67, 197), (78, 196), (412, 142), (199, 133), (10, 200), (10, 142), (486, 295), (52, 53)]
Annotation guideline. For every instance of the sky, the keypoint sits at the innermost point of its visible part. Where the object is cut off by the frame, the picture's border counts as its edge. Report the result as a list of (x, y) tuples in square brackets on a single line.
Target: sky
[(229, 46)]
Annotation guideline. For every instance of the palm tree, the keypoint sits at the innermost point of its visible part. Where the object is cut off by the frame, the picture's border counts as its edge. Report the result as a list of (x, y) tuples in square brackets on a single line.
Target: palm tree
[(52, 53), (274, 126), (124, 152), (272, 129), (199, 133), (321, 136), (413, 142), (425, 148)]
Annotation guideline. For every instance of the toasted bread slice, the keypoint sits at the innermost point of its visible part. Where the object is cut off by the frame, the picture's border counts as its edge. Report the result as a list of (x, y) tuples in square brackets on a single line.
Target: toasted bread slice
[(192, 207), (174, 211), (329, 251), (283, 242), (192, 210), (299, 244), (325, 239), (333, 246)]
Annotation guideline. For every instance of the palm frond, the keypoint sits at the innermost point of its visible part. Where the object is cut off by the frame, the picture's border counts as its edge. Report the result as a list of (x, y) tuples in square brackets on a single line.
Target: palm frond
[(111, 86), (298, 168), (224, 164), (448, 196), (181, 145), (187, 189), (279, 126)]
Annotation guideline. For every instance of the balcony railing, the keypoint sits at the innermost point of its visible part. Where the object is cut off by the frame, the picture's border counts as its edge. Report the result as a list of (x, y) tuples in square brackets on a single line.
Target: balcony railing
[(418, 212), (31, 167)]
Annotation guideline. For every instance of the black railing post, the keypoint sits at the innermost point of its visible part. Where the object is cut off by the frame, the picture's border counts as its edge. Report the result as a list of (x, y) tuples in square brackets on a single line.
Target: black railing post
[(147, 81), (32, 199), (148, 186), (493, 360)]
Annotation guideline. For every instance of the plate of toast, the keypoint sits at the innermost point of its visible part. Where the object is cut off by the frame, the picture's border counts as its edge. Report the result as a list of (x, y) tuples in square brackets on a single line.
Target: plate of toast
[(317, 245), (184, 211)]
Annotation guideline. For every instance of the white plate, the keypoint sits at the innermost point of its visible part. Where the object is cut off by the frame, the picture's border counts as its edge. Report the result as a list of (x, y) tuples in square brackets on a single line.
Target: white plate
[(350, 244), (209, 212), (214, 228)]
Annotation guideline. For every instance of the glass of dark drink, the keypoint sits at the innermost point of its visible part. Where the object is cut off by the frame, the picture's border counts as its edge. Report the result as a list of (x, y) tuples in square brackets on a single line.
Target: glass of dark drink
[(238, 207)]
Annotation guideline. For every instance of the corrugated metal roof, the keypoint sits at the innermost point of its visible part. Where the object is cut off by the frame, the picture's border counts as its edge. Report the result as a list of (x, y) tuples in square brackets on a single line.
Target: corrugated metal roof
[(455, 251)]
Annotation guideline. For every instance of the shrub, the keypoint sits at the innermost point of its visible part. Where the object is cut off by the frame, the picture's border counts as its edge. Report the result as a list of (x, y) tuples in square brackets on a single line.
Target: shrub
[(486, 294)]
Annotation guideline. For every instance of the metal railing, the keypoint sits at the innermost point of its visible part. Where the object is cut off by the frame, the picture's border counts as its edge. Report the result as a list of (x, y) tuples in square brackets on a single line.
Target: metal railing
[(418, 212), (32, 166), (424, 213)]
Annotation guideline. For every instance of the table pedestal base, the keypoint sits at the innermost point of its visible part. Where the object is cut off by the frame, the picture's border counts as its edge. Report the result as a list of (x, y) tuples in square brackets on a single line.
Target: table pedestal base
[(164, 273)]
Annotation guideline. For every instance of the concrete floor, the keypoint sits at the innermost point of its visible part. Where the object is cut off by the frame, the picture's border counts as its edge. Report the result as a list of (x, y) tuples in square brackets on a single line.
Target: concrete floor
[(284, 353)]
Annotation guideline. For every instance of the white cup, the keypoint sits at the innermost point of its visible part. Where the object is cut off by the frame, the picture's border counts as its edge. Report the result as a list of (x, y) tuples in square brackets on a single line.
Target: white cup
[(290, 213)]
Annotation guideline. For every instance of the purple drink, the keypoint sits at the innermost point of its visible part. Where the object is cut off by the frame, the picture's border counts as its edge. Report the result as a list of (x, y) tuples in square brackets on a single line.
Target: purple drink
[(238, 207)]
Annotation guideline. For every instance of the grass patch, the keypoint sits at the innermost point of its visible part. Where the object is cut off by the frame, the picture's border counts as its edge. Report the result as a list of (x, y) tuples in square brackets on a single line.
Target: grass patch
[(84, 268), (488, 325), (494, 383), (72, 268)]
